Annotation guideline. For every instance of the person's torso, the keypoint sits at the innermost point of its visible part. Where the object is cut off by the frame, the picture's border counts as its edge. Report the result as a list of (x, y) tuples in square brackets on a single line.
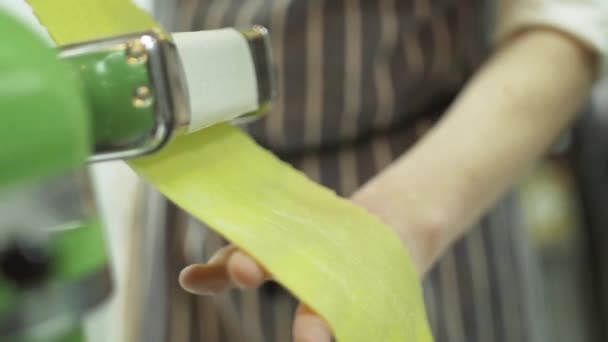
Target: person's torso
[(349, 69)]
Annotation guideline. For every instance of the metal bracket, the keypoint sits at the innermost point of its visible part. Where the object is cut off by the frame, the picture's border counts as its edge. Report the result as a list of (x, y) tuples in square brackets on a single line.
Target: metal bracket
[(135, 84)]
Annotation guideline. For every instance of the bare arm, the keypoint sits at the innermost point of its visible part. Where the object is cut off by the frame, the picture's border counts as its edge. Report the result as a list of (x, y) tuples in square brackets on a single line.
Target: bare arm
[(505, 118)]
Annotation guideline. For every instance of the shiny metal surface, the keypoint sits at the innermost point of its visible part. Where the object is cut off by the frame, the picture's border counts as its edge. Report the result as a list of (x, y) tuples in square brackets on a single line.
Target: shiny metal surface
[(168, 83), (166, 77), (259, 45)]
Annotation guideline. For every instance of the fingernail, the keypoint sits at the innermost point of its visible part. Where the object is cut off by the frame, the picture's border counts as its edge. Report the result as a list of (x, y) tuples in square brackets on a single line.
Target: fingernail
[(204, 279)]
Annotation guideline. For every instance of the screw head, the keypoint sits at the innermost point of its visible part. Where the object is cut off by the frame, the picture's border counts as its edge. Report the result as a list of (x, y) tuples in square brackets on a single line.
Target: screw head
[(136, 52), (142, 97)]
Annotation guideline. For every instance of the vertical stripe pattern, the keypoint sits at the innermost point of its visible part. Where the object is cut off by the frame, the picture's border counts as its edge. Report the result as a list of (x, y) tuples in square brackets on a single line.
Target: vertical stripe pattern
[(352, 80), (277, 24), (389, 35), (359, 82), (314, 67)]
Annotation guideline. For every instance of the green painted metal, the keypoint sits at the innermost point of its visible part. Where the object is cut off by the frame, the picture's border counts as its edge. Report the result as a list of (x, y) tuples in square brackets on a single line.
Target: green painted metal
[(111, 83), (44, 128)]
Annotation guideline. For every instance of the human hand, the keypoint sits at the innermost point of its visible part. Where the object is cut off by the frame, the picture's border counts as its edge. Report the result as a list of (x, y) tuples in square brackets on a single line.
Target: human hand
[(233, 268)]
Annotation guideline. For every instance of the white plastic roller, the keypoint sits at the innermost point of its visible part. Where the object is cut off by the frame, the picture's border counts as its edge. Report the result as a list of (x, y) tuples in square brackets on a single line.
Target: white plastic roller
[(220, 74)]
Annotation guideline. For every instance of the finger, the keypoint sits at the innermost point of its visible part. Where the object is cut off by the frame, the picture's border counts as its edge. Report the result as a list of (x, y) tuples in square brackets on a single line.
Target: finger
[(309, 327), (210, 278), (228, 268), (245, 272), (202, 279)]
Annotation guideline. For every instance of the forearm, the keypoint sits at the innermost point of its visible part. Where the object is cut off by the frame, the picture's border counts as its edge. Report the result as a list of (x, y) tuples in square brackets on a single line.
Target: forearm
[(506, 117)]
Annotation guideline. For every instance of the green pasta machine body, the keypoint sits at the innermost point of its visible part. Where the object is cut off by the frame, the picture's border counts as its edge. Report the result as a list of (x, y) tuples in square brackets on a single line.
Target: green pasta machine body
[(62, 108)]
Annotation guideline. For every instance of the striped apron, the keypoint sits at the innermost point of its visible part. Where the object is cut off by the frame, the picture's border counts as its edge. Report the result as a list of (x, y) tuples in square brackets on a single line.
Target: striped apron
[(359, 82)]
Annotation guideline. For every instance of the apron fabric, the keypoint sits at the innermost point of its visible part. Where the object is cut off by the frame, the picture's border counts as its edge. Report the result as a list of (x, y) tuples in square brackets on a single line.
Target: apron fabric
[(359, 82)]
